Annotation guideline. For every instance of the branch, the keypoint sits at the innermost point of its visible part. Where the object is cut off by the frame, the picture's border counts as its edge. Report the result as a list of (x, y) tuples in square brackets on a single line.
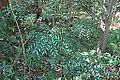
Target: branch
[(20, 33)]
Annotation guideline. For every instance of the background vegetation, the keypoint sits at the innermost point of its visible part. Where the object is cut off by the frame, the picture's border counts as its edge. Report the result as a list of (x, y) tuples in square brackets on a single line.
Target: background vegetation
[(58, 40)]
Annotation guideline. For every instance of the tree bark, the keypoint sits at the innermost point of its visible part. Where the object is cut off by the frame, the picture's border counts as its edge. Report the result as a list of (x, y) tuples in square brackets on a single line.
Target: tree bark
[(3, 4)]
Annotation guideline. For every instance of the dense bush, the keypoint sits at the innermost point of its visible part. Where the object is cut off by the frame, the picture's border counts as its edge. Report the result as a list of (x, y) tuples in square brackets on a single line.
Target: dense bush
[(55, 49)]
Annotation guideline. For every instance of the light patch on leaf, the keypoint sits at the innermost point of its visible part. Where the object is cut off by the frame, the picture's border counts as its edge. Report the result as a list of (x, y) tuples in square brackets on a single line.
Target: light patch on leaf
[(79, 78)]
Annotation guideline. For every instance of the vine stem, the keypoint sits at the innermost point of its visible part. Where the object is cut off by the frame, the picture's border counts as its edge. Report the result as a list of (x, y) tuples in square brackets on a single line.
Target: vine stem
[(21, 37)]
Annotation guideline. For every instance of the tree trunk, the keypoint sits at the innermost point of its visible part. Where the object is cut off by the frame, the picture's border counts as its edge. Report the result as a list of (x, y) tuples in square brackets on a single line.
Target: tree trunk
[(102, 43), (106, 19), (37, 10)]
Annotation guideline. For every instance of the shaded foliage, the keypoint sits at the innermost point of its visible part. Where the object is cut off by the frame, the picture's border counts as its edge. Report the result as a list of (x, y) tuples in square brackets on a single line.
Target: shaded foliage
[(60, 45)]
